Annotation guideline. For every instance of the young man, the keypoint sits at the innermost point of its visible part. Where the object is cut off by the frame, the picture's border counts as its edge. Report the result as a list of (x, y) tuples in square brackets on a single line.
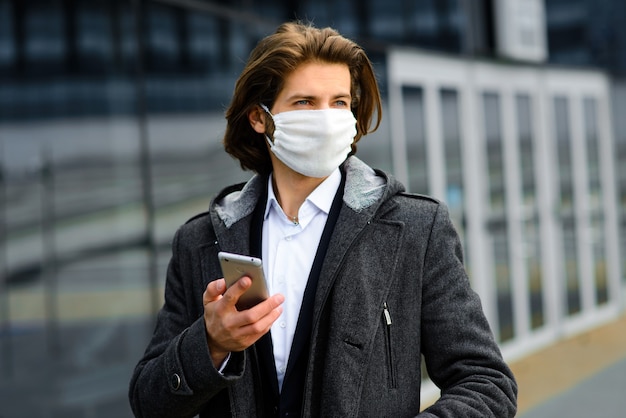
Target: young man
[(364, 278)]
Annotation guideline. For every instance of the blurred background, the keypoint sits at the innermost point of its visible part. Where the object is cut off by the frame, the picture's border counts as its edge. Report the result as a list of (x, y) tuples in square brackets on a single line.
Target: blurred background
[(111, 117)]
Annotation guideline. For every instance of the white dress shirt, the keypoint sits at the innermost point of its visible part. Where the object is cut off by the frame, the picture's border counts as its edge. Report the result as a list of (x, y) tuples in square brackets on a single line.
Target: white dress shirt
[(288, 252)]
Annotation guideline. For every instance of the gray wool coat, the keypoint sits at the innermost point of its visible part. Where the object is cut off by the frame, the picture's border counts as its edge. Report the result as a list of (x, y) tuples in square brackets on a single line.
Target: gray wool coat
[(389, 249)]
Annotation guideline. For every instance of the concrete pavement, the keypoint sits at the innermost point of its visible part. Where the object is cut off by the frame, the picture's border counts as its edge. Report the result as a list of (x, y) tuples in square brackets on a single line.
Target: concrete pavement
[(582, 376)]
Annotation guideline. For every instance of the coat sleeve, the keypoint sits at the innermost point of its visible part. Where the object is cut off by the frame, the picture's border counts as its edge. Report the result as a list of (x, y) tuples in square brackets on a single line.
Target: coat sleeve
[(176, 377), (461, 355)]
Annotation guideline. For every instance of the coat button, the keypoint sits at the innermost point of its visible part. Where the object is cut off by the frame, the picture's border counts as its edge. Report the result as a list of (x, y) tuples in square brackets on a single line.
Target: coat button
[(175, 381)]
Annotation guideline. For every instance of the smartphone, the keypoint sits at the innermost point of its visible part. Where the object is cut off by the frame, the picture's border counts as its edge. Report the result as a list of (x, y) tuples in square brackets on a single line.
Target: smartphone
[(234, 267)]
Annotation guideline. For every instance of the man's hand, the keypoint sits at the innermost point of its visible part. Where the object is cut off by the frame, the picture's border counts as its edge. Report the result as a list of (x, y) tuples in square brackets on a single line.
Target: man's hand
[(230, 330)]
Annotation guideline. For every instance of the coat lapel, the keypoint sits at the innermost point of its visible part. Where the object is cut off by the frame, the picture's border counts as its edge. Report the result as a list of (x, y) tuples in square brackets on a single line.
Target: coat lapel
[(352, 288)]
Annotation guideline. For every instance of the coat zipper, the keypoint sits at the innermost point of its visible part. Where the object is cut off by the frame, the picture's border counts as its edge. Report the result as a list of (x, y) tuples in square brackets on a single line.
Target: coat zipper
[(388, 346)]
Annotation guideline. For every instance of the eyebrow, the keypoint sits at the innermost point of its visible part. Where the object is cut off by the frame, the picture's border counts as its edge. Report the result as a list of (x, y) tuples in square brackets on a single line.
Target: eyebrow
[(310, 97)]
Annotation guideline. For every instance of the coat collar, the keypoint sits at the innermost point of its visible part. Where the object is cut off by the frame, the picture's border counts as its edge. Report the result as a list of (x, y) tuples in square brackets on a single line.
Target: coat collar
[(364, 187)]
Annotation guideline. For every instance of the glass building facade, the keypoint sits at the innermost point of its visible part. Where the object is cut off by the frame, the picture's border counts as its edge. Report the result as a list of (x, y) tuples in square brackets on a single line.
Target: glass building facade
[(591, 34), (111, 117), (587, 33), (535, 204)]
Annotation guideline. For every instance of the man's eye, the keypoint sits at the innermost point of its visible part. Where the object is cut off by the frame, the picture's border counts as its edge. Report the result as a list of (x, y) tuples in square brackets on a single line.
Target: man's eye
[(302, 102)]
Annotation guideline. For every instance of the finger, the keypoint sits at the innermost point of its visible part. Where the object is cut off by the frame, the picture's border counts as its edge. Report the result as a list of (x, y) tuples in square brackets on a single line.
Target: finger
[(275, 301), (234, 292), (241, 329), (256, 330), (263, 309), (213, 291)]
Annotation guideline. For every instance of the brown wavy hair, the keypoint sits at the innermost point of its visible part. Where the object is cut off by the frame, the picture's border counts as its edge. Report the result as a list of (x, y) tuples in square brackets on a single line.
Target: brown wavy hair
[(262, 79)]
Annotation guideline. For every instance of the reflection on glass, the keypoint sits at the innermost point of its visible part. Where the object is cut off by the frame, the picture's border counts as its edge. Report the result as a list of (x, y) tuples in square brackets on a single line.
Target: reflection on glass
[(530, 213), (455, 191), (415, 128), (620, 147), (94, 46), (495, 162), (44, 46), (77, 301), (571, 280), (497, 222), (76, 265), (595, 200)]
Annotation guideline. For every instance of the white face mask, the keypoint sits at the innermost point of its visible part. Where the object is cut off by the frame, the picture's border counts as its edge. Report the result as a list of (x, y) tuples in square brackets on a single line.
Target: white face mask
[(312, 142)]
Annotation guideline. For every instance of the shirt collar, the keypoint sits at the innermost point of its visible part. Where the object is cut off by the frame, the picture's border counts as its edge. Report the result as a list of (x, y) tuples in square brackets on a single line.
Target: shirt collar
[(322, 197)]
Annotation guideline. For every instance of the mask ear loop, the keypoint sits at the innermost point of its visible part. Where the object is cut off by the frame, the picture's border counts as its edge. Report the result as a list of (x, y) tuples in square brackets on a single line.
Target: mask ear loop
[(267, 138), (266, 109)]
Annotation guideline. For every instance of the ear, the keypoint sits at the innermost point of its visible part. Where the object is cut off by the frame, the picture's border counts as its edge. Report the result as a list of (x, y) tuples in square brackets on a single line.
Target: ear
[(256, 117)]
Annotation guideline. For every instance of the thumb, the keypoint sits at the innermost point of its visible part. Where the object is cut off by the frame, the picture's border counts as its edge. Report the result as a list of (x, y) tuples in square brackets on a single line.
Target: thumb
[(213, 291)]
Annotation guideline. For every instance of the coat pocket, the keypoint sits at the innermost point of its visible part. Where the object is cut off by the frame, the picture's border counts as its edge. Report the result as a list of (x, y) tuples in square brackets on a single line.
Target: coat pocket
[(391, 366)]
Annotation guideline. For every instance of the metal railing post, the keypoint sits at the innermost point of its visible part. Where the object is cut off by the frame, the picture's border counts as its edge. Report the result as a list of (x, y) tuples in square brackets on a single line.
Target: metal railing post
[(49, 259), (5, 309)]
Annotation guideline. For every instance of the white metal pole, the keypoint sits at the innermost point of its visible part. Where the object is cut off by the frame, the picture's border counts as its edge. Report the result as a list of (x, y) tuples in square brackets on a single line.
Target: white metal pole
[(580, 179), (514, 215), (610, 184), (434, 140), (396, 116), (547, 193), (473, 155)]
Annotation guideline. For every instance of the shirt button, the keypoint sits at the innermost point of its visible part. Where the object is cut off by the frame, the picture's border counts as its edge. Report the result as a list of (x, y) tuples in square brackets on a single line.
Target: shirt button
[(175, 381), (288, 238), (283, 324)]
